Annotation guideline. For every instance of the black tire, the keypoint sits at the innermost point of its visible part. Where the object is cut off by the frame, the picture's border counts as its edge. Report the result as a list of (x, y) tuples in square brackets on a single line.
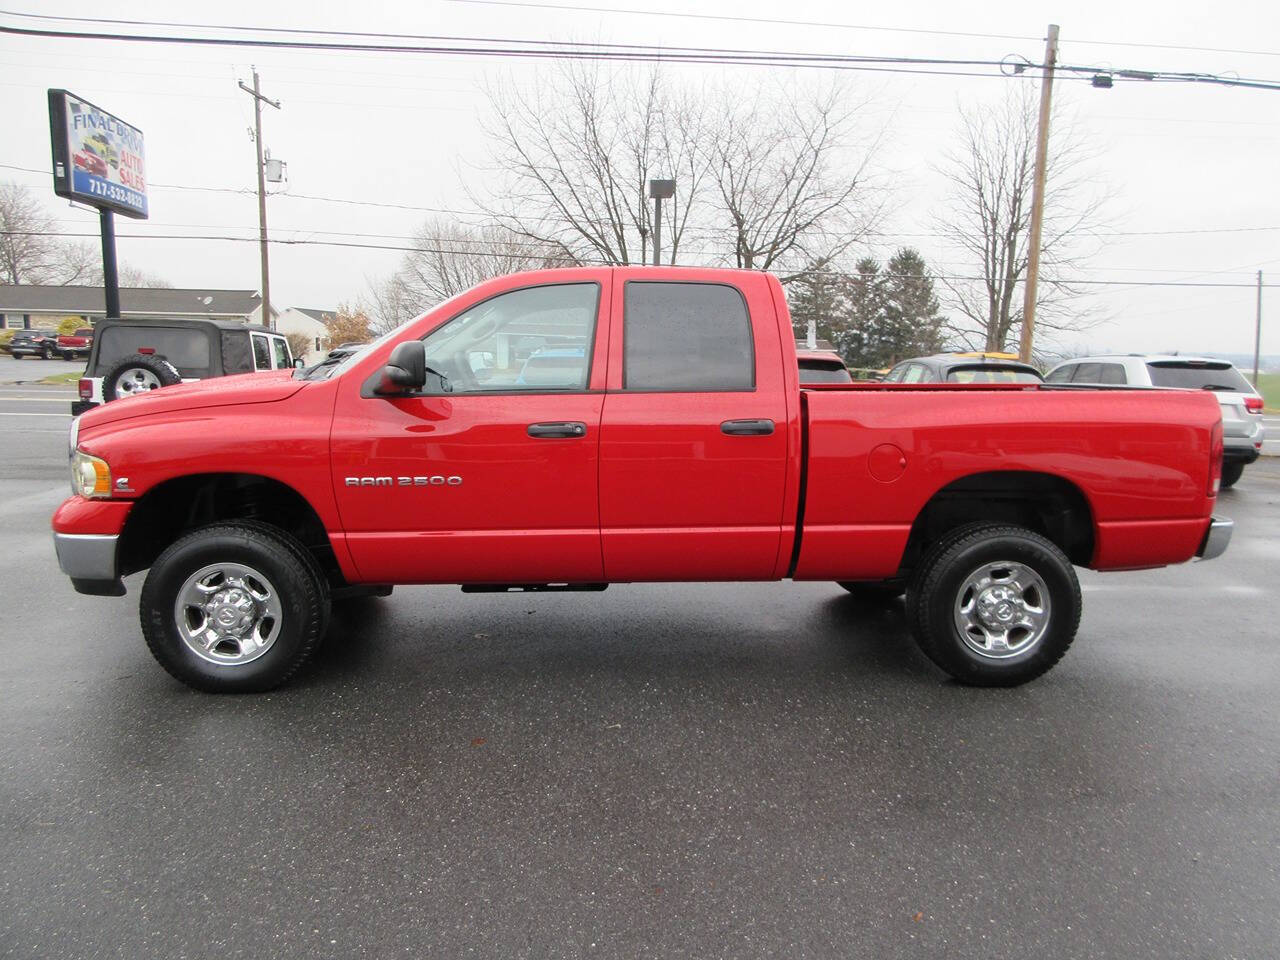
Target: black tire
[(69, 355), (874, 591), (1231, 473), (152, 373), (292, 577), (939, 586), (46, 352)]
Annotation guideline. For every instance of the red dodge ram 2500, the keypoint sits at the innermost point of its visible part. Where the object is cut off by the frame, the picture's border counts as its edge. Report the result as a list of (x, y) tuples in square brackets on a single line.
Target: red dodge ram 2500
[(567, 429)]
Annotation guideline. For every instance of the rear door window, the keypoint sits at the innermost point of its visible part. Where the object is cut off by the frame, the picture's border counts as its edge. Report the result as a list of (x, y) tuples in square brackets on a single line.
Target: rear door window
[(1198, 376), (1111, 373), (1088, 373), (686, 337), (185, 348)]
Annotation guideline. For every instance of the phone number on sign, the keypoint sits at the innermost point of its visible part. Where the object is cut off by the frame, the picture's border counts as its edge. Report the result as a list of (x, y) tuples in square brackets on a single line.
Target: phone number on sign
[(118, 194)]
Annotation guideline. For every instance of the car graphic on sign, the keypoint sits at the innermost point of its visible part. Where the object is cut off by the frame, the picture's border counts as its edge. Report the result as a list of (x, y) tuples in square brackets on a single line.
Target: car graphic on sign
[(91, 163)]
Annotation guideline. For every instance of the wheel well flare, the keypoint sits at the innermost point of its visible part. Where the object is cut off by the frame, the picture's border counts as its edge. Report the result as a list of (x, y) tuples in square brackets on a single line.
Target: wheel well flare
[(1050, 505), (171, 509)]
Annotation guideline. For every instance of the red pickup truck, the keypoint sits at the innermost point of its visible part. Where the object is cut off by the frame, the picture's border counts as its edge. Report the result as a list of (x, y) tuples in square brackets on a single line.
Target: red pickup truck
[(77, 344), (666, 439)]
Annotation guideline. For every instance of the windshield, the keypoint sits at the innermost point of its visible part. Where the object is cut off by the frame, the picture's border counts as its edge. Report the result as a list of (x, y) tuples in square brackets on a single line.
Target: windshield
[(1218, 375)]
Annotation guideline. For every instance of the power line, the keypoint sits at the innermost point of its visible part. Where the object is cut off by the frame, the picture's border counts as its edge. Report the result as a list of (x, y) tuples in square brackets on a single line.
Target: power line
[(771, 21), (454, 211), (485, 46), (585, 261), (777, 21)]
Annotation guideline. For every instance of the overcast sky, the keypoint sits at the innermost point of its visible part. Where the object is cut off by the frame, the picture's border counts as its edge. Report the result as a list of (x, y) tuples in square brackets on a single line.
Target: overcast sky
[(405, 129)]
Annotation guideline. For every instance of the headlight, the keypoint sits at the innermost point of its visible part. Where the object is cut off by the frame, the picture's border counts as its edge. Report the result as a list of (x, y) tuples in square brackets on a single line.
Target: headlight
[(90, 476), (73, 437)]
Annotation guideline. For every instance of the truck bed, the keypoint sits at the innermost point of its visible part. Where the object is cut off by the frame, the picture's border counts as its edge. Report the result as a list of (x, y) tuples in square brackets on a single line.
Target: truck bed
[(877, 453)]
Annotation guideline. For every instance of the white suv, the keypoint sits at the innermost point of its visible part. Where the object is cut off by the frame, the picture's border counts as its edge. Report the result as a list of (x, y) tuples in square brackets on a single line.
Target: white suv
[(1242, 429)]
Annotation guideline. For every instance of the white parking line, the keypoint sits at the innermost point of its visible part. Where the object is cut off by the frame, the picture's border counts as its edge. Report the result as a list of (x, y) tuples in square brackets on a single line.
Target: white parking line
[(61, 399), (23, 413)]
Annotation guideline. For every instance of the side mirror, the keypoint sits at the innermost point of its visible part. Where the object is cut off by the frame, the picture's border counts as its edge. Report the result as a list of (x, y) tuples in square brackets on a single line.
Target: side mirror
[(406, 369)]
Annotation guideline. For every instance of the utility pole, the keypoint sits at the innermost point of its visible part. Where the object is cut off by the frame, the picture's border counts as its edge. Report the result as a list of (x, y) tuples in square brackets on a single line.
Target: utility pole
[(258, 101), (1257, 333), (1037, 196)]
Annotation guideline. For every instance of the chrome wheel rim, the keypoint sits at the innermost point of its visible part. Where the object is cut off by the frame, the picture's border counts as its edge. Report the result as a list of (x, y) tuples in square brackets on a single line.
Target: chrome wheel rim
[(228, 614), (1002, 609), (136, 380)]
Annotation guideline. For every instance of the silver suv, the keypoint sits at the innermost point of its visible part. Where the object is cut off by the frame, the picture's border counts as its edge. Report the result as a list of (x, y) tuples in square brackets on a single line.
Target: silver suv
[(1242, 429)]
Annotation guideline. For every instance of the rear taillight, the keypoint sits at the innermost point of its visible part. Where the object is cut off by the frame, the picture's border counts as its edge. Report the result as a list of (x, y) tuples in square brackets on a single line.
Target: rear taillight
[(1215, 460), (86, 388), (1253, 404)]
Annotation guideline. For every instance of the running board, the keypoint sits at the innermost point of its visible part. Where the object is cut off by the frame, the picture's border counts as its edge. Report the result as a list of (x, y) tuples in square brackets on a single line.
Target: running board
[(534, 587)]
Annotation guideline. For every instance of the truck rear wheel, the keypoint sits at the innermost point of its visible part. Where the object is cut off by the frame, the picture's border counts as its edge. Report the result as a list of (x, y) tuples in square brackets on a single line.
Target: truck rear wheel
[(234, 608), (994, 605)]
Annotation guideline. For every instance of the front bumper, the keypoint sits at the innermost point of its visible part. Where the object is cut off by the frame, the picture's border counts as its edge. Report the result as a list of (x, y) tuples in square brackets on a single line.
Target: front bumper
[(89, 559), (1216, 538)]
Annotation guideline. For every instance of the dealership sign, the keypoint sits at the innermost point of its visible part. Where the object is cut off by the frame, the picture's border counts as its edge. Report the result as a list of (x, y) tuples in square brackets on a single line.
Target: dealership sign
[(98, 159)]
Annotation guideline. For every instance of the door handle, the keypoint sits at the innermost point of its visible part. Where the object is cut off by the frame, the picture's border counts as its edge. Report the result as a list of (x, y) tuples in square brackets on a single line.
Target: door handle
[(747, 428), (564, 430)]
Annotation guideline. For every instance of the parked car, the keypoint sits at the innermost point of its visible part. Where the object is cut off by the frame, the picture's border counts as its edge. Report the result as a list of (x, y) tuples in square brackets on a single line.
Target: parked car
[(963, 368), (683, 452), (77, 344), (822, 366), (1243, 430), (129, 357), (560, 367), (34, 343)]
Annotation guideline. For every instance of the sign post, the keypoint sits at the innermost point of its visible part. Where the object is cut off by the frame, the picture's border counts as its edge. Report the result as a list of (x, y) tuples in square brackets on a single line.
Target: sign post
[(99, 160)]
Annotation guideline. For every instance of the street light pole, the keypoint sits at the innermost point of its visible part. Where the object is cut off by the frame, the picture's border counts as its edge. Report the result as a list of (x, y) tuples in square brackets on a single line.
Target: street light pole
[(258, 101), (1037, 197), (659, 190)]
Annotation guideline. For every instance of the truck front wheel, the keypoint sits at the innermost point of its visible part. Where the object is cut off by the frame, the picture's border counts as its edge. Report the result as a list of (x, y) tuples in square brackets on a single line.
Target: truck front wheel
[(234, 608), (994, 605)]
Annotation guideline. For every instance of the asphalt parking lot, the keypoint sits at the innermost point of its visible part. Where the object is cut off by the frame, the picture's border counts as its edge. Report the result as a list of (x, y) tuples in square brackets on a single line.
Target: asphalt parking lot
[(728, 770)]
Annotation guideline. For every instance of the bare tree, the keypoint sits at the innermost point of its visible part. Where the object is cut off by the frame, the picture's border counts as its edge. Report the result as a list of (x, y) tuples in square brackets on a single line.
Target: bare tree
[(791, 167), (575, 156), (29, 251), (990, 172), (131, 276), (449, 258)]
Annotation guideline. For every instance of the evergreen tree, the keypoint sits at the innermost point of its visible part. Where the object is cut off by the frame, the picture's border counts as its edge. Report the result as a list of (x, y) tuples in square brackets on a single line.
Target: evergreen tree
[(860, 342), (823, 294), (911, 325)]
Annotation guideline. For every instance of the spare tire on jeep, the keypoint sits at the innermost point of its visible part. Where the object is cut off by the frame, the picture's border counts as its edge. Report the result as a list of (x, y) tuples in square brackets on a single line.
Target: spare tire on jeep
[(137, 374)]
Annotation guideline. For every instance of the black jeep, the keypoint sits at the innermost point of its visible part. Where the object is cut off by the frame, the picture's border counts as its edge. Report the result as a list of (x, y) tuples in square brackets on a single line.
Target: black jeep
[(134, 356)]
